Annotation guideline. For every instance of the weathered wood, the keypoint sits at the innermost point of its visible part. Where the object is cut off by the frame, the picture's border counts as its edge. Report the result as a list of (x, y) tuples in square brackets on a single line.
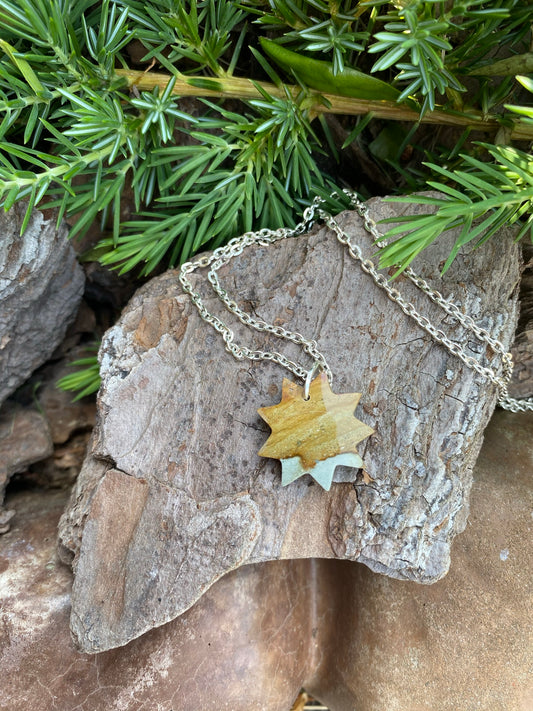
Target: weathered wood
[(522, 381), (175, 493)]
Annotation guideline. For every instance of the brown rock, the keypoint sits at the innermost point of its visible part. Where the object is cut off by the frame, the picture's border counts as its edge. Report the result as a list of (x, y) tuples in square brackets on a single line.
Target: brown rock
[(64, 416), (24, 439), (61, 470), (68, 423), (355, 639), (522, 383), (243, 647), (178, 422), (5, 518), (28, 435)]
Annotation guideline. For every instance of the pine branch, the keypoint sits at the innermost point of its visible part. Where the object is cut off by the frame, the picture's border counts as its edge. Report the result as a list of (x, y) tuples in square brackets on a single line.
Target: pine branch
[(84, 381), (318, 103), (78, 127), (498, 194), (67, 110)]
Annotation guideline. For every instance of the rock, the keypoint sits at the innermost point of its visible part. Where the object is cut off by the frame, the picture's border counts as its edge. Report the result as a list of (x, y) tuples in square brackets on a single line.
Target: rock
[(235, 649), (5, 518), (61, 469), (41, 285), (464, 643), (181, 497), (355, 639), (28, 434), (65, 416), (24, 439), (83, 333)]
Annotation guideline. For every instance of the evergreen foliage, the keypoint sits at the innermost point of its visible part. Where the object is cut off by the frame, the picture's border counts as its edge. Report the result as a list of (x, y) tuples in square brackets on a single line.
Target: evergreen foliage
[(85, 380), (79, 127), (82, 128)]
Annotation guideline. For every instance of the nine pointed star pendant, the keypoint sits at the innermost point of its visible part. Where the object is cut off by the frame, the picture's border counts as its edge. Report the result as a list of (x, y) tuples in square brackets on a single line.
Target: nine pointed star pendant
[(313, 436)]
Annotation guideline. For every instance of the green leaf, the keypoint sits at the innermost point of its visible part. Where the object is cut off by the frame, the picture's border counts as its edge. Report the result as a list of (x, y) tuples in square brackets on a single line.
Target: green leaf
[(24, 68), (202, 83), (86, 380), (319, 75)]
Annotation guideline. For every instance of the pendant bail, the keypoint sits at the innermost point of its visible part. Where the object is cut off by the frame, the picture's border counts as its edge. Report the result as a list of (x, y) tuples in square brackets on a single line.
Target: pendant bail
[(309, 377)]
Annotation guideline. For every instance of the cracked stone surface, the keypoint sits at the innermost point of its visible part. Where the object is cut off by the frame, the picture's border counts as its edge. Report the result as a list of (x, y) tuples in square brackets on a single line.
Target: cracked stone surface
[(173, 495), (41, 285), (24, 439), (355, 639)]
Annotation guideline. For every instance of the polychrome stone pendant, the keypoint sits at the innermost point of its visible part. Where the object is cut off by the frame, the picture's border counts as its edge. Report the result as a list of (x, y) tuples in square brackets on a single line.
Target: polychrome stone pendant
[(316, 435)]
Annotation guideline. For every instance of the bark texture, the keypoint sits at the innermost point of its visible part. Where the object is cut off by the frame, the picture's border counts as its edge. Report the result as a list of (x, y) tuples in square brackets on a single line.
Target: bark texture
[(522, 382), (173, 495)]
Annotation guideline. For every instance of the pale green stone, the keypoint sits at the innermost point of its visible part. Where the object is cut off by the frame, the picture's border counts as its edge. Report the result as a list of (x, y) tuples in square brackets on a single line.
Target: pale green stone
[(322, 472)]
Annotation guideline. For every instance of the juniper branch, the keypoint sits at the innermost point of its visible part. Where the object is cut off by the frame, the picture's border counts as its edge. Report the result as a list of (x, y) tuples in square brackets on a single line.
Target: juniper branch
[(318, 103)]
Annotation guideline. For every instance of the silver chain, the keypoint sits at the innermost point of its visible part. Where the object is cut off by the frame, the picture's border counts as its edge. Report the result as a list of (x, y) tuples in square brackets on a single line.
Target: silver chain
[(222, 255)]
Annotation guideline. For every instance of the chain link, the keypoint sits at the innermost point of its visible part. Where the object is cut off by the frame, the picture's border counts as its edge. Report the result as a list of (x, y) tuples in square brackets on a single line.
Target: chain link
[(215, 261), (223, 255)]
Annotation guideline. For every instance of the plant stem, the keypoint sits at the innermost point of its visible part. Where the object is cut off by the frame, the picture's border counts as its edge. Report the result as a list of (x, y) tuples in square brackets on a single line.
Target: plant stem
[(57, 171), (240, 88)]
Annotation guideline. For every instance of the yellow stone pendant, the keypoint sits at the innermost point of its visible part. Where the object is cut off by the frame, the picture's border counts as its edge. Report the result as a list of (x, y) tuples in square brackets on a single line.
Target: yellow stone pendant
[(313, 436)]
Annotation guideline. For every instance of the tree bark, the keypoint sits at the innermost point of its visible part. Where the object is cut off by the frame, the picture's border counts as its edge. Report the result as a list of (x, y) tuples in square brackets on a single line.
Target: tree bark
[(173, 495), (522, 382)]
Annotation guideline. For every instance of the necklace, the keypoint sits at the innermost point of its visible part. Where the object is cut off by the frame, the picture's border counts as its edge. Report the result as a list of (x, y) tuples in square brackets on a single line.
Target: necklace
[(313, 429)]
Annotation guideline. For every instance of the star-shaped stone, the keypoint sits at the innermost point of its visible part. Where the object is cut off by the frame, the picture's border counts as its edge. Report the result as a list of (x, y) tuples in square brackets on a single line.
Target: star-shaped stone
[(313, 436)]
